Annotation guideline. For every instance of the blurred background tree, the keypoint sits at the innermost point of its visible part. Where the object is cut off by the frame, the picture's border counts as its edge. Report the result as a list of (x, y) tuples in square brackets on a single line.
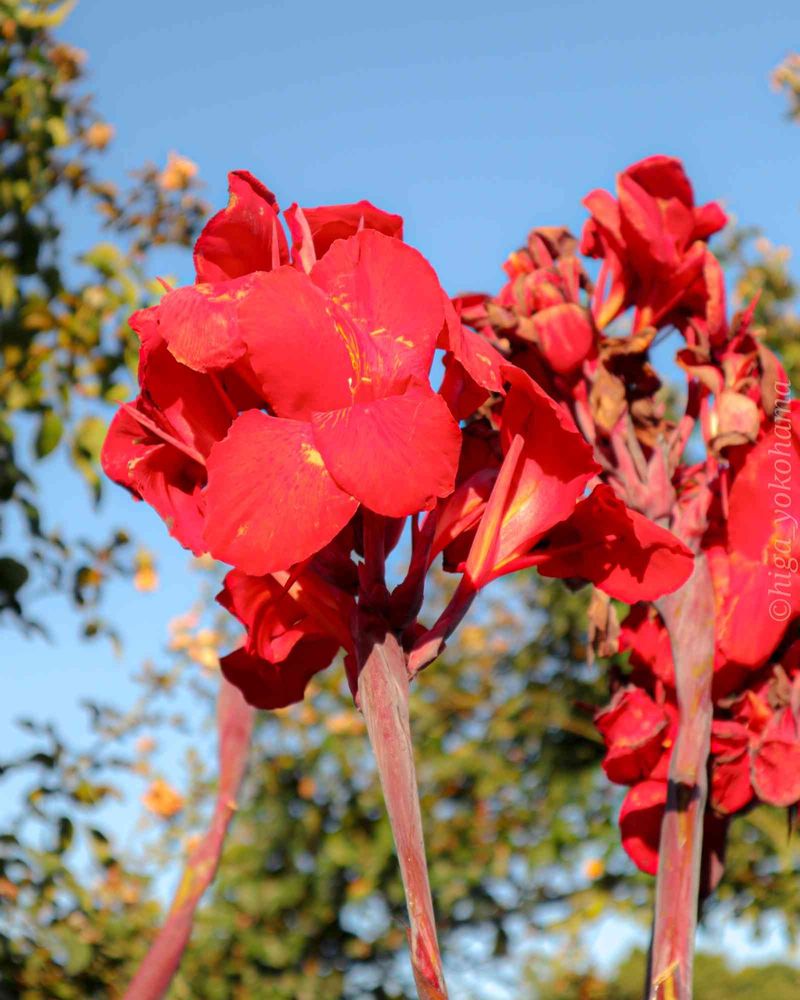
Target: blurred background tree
[(66, 345), (520, 820)]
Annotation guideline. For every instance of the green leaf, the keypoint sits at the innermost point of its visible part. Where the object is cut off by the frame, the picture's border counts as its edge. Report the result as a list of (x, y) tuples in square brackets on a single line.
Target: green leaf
[(13, 576), (49, 434)]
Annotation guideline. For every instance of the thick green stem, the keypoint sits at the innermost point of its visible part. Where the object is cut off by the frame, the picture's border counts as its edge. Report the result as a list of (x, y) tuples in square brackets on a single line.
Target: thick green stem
[(689, 617), (383, 698)]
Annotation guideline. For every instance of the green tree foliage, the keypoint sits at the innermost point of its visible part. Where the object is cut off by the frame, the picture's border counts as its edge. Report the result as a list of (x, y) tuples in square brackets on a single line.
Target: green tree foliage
[(65, 345), (714, 980)]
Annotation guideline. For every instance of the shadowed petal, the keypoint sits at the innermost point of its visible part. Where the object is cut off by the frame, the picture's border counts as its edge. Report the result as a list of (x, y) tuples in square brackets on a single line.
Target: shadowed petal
[(622, 552), (276, 685)]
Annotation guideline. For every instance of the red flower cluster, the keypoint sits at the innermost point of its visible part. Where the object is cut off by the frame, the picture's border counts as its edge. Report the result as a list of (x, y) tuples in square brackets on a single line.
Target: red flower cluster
[(286, 424), (737, 505)]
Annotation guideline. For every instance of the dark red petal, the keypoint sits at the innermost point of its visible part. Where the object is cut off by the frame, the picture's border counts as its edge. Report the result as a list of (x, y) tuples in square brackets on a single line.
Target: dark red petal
[(482, 362), (634, 728), (304, 359), (776, 761), (662, 177), (200, 324), (270, 500), (390, 297), (640, 823), (337, 222), (648, 241), (276, 685), (192, 406), (272, 618), (158, 473), (622, 552), (645, 635), (730, 788), (396, 455), (244, 237), (459, 390)]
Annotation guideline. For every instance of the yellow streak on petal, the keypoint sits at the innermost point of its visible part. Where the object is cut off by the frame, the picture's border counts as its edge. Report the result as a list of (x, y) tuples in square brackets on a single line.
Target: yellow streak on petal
[(311, 455)]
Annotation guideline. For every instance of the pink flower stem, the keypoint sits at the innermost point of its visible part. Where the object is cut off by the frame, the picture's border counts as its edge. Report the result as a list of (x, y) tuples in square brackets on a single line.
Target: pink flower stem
[(689, 617), (234, 725), (383, 685)]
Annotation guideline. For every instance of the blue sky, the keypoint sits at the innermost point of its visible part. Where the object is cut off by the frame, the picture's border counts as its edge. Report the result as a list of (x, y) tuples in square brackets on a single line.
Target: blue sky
[(474, 121)]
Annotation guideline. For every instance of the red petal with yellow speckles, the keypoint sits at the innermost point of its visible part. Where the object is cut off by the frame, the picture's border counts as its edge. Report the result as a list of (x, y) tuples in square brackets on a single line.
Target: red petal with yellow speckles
[(244, 237), (201, 326), (394, 303), (396, 455), (305, 358), (270, 500)]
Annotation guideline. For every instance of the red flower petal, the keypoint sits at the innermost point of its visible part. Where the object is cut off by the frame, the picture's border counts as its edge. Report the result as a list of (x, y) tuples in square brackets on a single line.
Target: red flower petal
[(645, 635), (200, 324), (276, 685), (633, 727), (662, 177), (396, 455), (158, 473), (776, 761), (272, 619), (708, 219), (337, 222), (270, 500), (482, 362), (566, 336), (640, 823), (244, 237), (622, 552), (546, 468), (394, 303), (730, 789), (191, 405), (304, 359)]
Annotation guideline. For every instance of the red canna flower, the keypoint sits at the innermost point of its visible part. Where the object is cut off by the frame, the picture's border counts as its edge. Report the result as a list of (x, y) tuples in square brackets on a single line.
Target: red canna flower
[(342, 356), (651, 239)]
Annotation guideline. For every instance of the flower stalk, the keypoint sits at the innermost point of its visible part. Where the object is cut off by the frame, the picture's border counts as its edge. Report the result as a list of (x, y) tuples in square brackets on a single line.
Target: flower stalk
[(235, 726), (689, 617), (383, 688)]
